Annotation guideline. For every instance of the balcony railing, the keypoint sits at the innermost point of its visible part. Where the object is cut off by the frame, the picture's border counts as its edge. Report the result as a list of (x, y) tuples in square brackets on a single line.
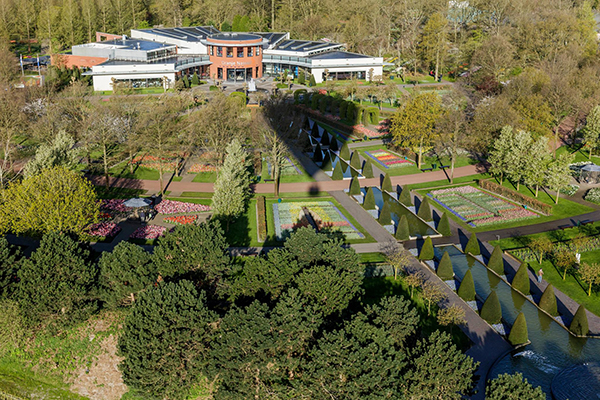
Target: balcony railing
[(289, 59), (193, 60)]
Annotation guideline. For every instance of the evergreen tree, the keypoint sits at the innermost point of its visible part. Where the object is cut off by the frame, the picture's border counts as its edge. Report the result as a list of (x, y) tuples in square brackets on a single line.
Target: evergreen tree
[(386, 186), (402, 231), (548, 301), (195, 79), (301, 78), (369, 202), (368, 169), (445, 270), (496, 261), (444, 225), (425, 210), (426, 252), (506, 387), (385, 217), (9, 255), (579, 325), (404, 197), (518, 332), (354, 187), (338, 174), (345, 152), (355, 160), (312, 82), (186, 82), (318, 155), (521, 280), (466, 290), (165, 340), (325, 140), (334, 145), (491, 311), (326, 164), (472, 246)]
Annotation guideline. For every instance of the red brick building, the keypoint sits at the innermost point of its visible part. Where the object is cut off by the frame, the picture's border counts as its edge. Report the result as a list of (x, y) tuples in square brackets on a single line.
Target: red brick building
[(235, 56)]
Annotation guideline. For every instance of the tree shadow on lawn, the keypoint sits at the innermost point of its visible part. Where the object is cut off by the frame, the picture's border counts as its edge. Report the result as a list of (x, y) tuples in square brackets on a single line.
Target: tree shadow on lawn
[(238, 234)]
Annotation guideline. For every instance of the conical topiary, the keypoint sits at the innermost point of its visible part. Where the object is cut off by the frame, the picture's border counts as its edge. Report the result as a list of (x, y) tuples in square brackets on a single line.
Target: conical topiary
[(444, 226), (325, 139), (385, 216), (425, 210), (355, 160), (367, 169), (318, 156), (354, 187), (496, 261), (518, 333), (369, 203), (472, 246), (579, 325), (338, 174), (326, 165), (345, 152), (548, 301), (334, 146), (444, 269), (402, 231), (404, 197), (491, 311), (386, 185), (521, 280), (427, 250), (466, 290)]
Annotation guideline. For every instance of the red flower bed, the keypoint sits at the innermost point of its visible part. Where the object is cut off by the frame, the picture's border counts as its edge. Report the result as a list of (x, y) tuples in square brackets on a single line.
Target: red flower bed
[(182, 219)]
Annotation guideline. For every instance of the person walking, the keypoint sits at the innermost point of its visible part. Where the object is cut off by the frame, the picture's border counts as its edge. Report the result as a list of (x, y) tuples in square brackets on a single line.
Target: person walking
[(540, 274)]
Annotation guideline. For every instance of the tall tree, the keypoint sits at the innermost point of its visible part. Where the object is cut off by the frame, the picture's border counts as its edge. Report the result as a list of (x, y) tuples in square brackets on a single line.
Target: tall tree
[(452, 128), (59, 153), (559, 174), (518, 157), (500, 151), (535, 169), (434, 42), (507, 386), (591, 132)]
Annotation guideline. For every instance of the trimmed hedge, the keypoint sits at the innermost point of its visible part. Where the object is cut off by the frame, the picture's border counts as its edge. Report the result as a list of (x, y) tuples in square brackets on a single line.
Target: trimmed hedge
[(326, 166), (345, 152), (515, 196), (333, 146), (314, 100), (354, 187), (318, 156), (355, 160), (385, 216), (521, 280), (444, 226), (386, 185), (579, 325), (518, 333), (325, 140), (262, 218), (496, 261), (548, 301), (444, 269), (425, 210), (343, 108), (241, 96), (404, 197), (466, 290), (402, 231), (371, 116), (338, 174), (472, 246), (297, 94), (427, 252), (323, 103), (350, 112), (368, 169), (491, 311), (369, 203)]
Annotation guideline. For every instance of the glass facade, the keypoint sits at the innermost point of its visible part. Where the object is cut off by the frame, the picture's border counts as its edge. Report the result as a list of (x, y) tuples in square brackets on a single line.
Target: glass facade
[(229, 51), (219, 51)]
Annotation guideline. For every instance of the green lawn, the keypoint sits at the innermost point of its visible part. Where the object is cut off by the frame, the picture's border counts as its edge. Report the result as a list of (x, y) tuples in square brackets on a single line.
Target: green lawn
[(559, 235), (205, 177), (367, 258), (445, 182), (287, 178), (243, 231), (117, 193), (197, 194), (139, 172), (580, 153)]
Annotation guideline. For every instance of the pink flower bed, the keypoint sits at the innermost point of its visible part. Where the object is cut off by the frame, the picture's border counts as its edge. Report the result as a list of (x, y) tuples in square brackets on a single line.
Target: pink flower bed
[(103, 229), (148, 232), (114, 205), (198, 167), (175, 207)]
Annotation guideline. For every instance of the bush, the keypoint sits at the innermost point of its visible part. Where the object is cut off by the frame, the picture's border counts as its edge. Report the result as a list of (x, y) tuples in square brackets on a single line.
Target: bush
[(213, 88), (385, 216), (318, 156), (350, 112), (496, 261), (521, 280), (241, 96), (404, 197), (515, 196), (343, 108), (445, 270), (368, 169), (518, 333), (386, 185), (297, 94), (262, 218), (338, 174), (593, 195), (195, 79), (301, 78), (402, 231), (354, 187), (323, 103), (579, 325), (311, 81), (427, 252), (425, 210), (444, 226), (333, 146), (355, 160), (472, 246), (371, 116), (466, 290), (569, 190), (548, 301), (491, 311), (314, 100), (513, 386), (345, 152), (326, 165), (281, 86), (369, 203)]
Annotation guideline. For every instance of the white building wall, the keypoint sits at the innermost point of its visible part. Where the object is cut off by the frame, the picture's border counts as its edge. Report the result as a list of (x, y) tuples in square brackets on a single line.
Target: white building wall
[(320, 70), (103, 74), (104, 82)]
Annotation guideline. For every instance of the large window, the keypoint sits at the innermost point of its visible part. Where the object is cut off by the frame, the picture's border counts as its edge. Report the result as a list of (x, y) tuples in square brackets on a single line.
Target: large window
[(240, 52), (250, 51), (258, 50), (229, 51), (219, 51), (212, 50), (219, 73)]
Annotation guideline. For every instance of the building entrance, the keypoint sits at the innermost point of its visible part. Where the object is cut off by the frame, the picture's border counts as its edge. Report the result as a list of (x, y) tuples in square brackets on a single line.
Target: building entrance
[(239, 74)]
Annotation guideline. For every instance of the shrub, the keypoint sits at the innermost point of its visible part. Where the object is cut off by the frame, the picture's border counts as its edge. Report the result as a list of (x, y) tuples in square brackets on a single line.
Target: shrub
[(369, 203), (496, 261), (515, 196), (195, 79), (425, 210), (371, 116), (368, 169), (466, 290), (521, 280), (297, 94), (241, 96), (444, 226), (445, 270), (404, 197), (343, 108), (402, 231), (323, 103), (338, 174), (593, 195), (301, 78), (548, 301), (350, 112), (355, 160), (385, 216), (513, 386), (345, 152), (333, 146), (569, 190), (314, 100), (491, 311), (579, 325), (311, 81), (213, 88), (354, 187), (262, 218), (427, 252), (472, 246), (518, 333), (326, 165), (386, 185), (318, 156), (325, 140)]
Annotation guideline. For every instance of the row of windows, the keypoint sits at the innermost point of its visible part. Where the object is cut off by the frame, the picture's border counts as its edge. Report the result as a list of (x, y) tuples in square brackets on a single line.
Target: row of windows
[(229, 51)]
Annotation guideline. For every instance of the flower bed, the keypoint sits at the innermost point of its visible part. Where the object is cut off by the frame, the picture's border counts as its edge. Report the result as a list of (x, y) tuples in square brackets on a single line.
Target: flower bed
[(199, 167), (176, 207), (114, 205), (103, 230), (148, 232), (290, 216), (388, 160), (154, 163), (479, 208), (593, 195), (569, 190), (182, 219), (527, 255)]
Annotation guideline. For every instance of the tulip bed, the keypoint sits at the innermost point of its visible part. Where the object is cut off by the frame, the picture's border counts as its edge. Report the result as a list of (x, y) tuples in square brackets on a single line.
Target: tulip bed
[(182, 219), (388, 160), (103, 230), (153, 162), (176, 207), (199, 167), (148, 232), (114, 205)]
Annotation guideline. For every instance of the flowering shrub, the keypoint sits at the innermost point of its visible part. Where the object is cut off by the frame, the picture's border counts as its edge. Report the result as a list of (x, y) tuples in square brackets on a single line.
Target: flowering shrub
[(569, 190), (114, 205), (103, 229), (176, 207), (182, 219), (148, 232), (593, 195)]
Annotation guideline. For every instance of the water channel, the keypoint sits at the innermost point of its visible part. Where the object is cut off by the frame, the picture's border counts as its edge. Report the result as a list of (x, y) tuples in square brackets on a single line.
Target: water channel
[(552, 348)]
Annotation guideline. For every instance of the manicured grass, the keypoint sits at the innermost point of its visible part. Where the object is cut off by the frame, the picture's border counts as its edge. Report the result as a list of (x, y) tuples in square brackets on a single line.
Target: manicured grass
[(177, 178), (367, 258), (139, 172), (303, 177), (243, 231), (117, 193), (445, 182), (580, 152), (205, 177), (197, 194), (559, 235), (295, 195)]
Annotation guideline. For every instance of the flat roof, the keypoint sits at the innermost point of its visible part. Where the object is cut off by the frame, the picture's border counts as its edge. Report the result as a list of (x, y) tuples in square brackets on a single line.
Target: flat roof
[(304, 45), (332, 55), (170, 60), (271, 37), (190, 34), (126, 44), (234, 36)]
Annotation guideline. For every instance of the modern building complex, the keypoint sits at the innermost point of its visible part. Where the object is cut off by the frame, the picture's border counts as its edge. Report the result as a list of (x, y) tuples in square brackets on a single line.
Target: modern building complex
[(156, 57)]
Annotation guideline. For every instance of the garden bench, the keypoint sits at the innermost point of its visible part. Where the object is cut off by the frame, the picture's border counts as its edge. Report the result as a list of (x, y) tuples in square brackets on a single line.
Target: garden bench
[(444, 166), (269, 180), (586, 221), (564, 226), (426, 169)]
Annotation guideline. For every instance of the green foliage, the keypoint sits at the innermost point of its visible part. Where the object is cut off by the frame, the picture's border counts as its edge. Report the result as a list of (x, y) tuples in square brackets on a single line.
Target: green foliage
[(385, 216), (355, 160), (354, 187), (59, 153), (338, 174), (318, 156), (311, 81), (444, 225), (371, 116), (548, 301), (325, 139), (496, 261), (195, 79), (369, 203), (261, 211), (491, 311), (402, 231), (579, 325), (9, 255), (301, 78), (186, 82), (426, 252), (345, 152), (334, 145), (466, 291), (323, 103), (518, 333), (165, 340), (314, 100), (521, 280), (368, 169), (326, 165), (472, 246), (425, 210), (404, 197), (343, 108), (386, 186), (12, 327), (444, 269), (507, 387), (351, 112)]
